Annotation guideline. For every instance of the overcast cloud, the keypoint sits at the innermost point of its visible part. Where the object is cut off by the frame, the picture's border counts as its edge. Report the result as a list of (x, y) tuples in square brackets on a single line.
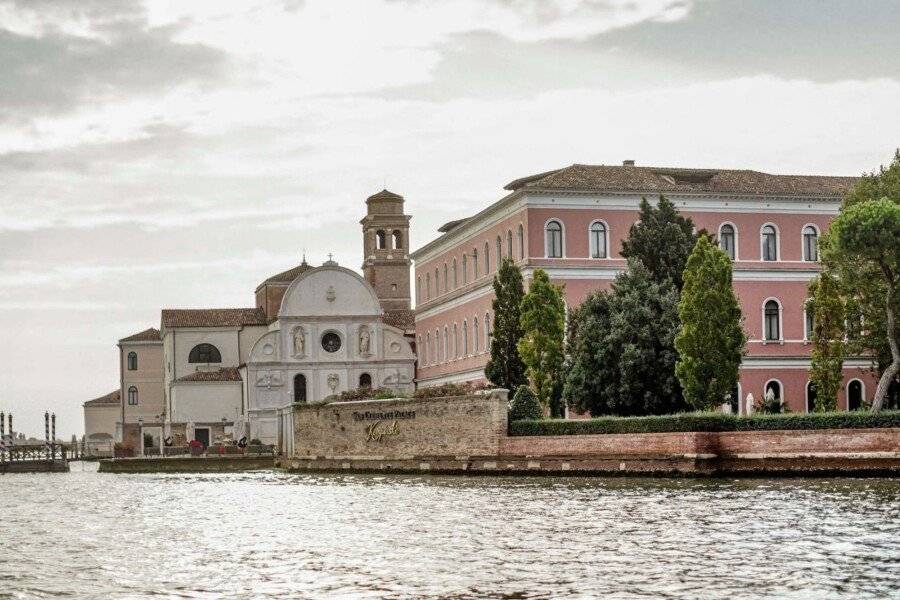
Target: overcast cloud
[(174, 154)]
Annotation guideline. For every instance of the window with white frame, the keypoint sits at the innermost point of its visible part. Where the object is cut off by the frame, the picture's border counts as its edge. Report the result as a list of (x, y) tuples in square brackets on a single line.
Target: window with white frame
[(455, 273), (465, 269), (769, 242), (810, 244), (727, 240), (487, 258), (499, 251), (553, 239), (465, 334), (132, 396), (598, 239), (475, 335), (808, 321), (521, 234), (772, 321)]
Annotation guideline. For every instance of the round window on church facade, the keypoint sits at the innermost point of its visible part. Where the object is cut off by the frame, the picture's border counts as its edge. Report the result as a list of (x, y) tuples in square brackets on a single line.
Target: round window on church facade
[(331, 342)]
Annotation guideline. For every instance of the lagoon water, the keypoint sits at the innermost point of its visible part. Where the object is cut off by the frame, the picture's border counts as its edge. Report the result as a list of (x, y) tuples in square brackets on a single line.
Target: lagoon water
[(269, 534)]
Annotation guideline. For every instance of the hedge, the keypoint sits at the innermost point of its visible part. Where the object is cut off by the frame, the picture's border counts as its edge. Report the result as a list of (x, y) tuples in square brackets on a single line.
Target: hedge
[(706, 422)]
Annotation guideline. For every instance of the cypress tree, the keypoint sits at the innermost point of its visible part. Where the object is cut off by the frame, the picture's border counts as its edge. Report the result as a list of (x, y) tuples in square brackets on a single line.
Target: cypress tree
[(827, 365), (543, 327), (505, 367), (710, 341)]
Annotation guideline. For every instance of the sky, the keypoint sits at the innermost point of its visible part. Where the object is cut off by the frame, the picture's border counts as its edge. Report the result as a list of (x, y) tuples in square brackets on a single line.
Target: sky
[(175, 154)]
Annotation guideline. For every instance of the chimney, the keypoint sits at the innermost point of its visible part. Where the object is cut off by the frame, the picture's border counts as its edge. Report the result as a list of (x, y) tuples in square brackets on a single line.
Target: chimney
[(627, 163)]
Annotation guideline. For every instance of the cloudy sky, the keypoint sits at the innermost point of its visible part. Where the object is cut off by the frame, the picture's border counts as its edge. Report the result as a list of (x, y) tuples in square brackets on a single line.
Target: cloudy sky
[(174, 154)]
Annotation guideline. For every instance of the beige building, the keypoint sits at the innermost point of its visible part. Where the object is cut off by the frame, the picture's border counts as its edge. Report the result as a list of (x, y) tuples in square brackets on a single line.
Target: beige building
[(101, 418)]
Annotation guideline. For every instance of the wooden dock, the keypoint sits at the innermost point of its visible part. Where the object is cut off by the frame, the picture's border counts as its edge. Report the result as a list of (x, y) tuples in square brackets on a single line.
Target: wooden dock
[(52, 458)]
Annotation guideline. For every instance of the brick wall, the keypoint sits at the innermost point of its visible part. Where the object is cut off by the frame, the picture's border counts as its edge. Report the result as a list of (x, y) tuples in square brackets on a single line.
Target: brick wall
[(398, 429), (834, 441)]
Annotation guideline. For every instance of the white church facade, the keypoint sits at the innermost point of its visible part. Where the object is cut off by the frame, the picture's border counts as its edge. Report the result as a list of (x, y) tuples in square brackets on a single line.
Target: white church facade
[(232, 373)]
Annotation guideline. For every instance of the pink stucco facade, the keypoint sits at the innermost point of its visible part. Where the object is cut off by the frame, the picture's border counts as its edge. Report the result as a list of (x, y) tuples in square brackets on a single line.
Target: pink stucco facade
[(445, 304)]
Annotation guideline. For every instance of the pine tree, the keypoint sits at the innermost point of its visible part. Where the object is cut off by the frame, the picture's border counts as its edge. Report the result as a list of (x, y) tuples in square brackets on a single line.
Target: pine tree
[(662, 240), (711, 341), (826, 369), (505, 367), (622, 350), (543, 327)]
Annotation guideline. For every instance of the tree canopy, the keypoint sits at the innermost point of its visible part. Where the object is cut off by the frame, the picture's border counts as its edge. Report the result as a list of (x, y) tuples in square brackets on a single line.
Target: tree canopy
[(505, 367), (866, 235), (662, 240), (543, 327), (710, 341), (622, 352), (826, 371)]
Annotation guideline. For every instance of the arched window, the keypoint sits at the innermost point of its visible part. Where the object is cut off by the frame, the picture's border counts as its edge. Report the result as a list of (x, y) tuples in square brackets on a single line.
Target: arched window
[(475, 335), (380, 240), (465, 334), (509, 244), (437, 283), (487, 332), (299, 388), (811, 396), (855, 395), (438, 346), (419, 288), (598, 240), (810, 243), (808, 322), (775, 386), (727, 240), (427, 286), (772, 321), (446, 280), (500, 251), (428, 348), (769, 242), (521, 235), (420, 351), (132, 361), (132, 396), (365, 381), (474, 264), (455, 280), (455, 341), (447, 355), (205, 353), (554, 239), (398, 239), (487, 258), (465, 269)]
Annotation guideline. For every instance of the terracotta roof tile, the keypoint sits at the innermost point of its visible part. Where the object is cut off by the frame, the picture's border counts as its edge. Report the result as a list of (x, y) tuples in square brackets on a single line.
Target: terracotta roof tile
[(226, 374), (385, 195), (663, 179), (289, 275), (401, 319), (212, 317), (110, 398), (148, 335)]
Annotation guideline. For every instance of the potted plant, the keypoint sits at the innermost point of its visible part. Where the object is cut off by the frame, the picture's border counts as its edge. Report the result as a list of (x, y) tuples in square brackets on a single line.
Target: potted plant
[(196, 447)]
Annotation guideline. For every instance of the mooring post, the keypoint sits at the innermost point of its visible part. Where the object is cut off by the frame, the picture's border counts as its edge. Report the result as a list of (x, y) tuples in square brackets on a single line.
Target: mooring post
[(2, 437), (53, 435), (47, 430)]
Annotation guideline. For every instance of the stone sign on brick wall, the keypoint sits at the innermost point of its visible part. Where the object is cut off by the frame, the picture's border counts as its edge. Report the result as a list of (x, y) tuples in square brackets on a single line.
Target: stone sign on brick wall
[(402, 428)]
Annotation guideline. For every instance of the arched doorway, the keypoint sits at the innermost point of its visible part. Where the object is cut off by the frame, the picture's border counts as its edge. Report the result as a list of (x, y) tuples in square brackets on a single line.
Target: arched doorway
[(854, 395), (811, 397), (365, 381), (299, 388)]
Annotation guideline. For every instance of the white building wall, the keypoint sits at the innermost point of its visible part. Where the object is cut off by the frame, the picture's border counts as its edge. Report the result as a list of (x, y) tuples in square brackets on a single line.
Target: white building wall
[(206, 402)]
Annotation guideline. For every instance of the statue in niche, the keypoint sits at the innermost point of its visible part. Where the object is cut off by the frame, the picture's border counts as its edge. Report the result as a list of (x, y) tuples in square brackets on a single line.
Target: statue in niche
[(299, 342), (333, 382), (365, 341)]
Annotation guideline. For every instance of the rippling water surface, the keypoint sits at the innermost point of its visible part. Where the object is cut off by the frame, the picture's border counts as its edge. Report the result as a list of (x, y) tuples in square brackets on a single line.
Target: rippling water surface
[(268, 534)]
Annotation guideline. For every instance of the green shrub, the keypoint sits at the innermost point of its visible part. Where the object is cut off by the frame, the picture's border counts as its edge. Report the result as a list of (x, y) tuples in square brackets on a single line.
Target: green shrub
[(365, 393), (706, 422), (525, 405), (451, 389)]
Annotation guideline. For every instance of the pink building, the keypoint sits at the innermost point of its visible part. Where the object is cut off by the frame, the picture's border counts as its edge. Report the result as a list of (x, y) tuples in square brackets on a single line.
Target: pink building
[(571, 223)]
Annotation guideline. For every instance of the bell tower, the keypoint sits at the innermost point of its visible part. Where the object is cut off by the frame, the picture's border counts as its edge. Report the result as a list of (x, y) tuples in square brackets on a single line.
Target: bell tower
[(386, 260)]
